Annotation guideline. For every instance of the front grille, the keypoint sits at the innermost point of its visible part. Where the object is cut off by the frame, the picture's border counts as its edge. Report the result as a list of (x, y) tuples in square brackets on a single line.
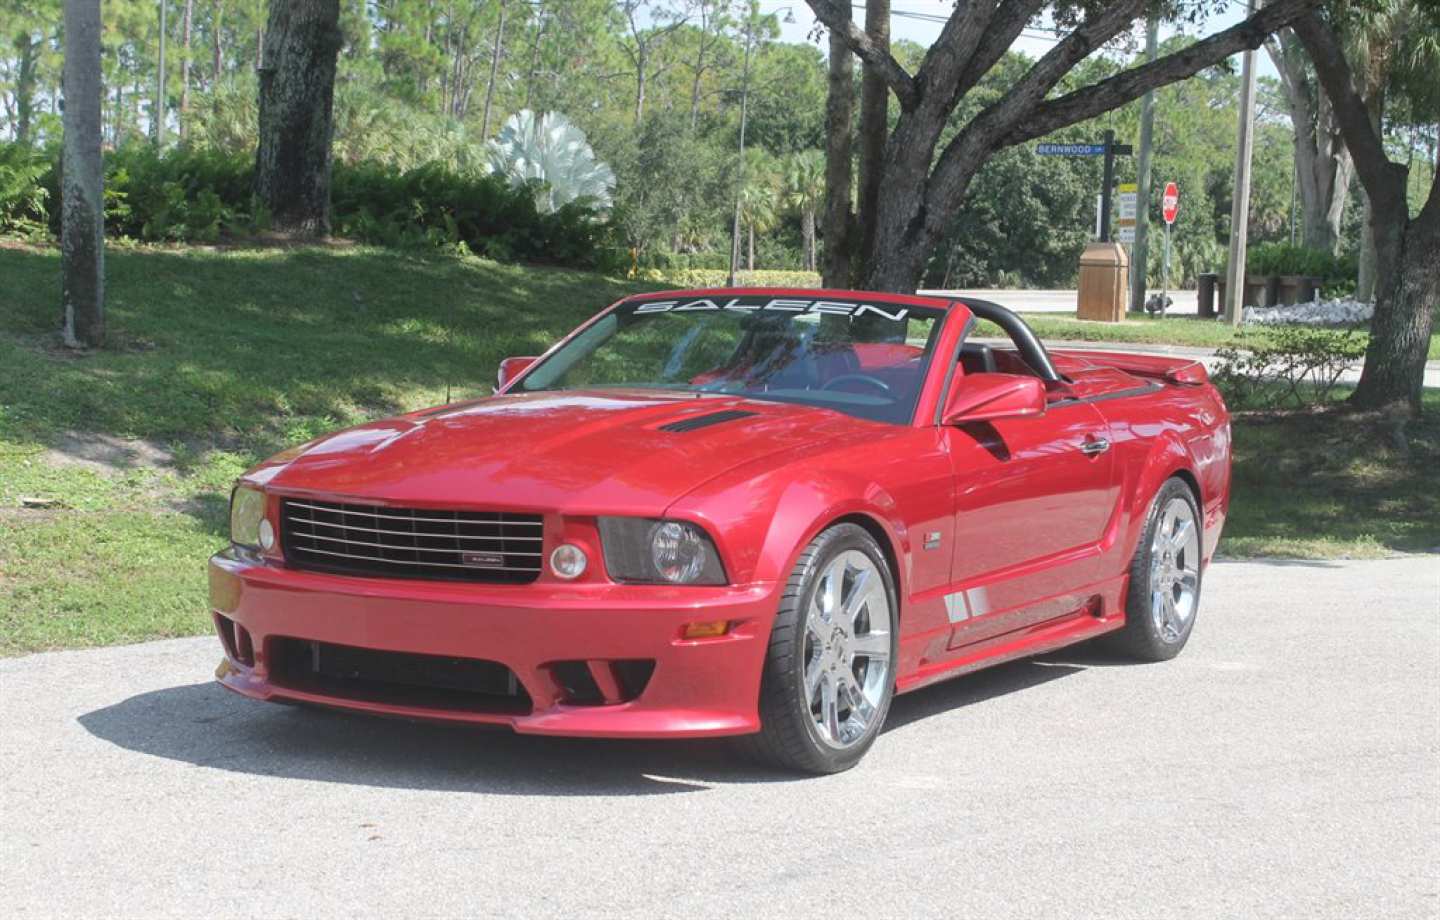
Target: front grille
[(399, 678), (490, 546)]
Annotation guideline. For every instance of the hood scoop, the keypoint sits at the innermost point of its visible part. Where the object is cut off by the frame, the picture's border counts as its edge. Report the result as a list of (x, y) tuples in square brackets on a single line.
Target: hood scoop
[(695, 422)]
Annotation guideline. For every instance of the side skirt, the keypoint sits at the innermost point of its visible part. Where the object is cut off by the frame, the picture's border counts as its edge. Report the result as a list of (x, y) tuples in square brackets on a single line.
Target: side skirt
[(1037, 638)]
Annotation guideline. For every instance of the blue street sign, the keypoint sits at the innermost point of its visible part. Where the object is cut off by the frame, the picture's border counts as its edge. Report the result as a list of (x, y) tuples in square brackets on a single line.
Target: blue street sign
[(1071, 150)]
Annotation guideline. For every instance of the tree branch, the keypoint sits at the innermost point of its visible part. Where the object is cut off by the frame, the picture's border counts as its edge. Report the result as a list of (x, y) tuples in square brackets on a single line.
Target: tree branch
[(986, 131), (1367, 151), (1131, 84), (896, 77)]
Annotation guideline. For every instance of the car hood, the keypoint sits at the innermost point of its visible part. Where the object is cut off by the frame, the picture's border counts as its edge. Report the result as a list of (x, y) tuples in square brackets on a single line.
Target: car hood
[(582, 451)]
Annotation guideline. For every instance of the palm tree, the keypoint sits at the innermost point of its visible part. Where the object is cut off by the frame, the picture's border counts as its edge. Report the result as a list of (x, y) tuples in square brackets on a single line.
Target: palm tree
[(805, 193), (760, 198)]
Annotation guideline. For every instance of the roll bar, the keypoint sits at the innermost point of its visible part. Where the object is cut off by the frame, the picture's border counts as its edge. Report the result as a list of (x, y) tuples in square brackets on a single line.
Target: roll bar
[(1033, 353)]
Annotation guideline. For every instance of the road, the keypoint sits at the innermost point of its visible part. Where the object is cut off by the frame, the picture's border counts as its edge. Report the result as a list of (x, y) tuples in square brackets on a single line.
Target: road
[(1183, 302), (1286, 765)]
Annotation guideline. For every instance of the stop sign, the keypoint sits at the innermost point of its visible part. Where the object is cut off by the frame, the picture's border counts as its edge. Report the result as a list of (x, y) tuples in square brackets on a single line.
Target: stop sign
[(1170, 202)]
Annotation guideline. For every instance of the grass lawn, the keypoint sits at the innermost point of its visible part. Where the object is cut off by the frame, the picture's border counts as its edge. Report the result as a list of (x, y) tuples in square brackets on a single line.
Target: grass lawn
[(115, 467)]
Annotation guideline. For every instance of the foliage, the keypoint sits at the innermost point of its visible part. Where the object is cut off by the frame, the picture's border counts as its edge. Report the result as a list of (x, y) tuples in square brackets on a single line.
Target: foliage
[(713, 278), (433, 205), (553, 156), (1289, 366), (413, 75), (192, 194), (1336, 273), (23, 195)]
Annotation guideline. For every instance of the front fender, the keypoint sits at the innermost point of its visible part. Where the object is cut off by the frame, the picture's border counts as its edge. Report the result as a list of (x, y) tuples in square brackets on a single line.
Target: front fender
[(761, 533)]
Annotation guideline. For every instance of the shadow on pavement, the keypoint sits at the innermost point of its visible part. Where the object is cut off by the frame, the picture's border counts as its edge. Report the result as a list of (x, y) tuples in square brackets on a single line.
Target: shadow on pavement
[(206, 725)]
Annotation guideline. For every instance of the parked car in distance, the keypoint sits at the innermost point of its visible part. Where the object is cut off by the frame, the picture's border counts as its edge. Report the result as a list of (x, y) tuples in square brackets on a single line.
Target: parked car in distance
[(756, 513)]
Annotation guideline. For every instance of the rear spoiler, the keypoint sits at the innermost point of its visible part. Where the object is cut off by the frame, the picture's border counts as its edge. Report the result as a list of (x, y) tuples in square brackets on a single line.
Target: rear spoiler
[(1179, 370)]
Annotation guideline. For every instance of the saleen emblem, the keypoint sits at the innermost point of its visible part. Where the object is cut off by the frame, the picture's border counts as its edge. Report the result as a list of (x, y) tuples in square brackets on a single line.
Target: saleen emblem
[(774, 305), (483, 560)]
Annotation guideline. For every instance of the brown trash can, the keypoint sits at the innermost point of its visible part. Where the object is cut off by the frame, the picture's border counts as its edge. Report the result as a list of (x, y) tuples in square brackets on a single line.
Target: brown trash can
[(1103, 274)]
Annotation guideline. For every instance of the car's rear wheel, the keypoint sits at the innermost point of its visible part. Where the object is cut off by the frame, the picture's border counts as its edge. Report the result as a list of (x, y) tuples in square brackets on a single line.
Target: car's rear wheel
[(830, 670), (1164, 593)]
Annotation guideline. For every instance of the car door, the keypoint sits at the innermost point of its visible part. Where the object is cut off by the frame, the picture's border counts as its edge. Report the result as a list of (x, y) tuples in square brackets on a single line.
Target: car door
[(1033, 499)]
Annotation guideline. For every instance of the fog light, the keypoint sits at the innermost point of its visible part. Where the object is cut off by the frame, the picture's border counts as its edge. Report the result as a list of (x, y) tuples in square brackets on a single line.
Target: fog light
[(267, 535), (568, 561), (706, 630)]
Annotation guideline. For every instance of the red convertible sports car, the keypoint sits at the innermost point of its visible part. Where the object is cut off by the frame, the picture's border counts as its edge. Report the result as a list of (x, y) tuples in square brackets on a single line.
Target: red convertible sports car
[(748, 512)]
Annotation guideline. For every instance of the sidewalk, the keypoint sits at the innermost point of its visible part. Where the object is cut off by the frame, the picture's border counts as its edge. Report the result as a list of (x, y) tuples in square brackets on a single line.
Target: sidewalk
[(1206, 356)]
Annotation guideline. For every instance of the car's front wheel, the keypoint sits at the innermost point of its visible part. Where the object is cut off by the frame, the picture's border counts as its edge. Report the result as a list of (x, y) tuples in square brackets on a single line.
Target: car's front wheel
[(1164, 593), (830, 670)]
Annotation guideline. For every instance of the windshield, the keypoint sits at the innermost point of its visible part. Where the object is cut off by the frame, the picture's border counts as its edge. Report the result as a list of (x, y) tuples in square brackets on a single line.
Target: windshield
[(863, 359)]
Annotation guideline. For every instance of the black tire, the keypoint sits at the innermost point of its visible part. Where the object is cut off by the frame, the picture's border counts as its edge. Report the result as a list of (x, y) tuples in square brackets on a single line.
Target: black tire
[(1141, 638), (788, 737)]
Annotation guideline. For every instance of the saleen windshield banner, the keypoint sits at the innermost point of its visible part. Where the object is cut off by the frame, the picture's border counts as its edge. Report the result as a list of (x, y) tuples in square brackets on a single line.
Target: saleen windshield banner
[(772, 305)]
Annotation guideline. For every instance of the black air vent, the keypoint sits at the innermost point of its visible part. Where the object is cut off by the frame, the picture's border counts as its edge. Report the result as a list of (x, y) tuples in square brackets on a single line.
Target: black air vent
[(705, 421)]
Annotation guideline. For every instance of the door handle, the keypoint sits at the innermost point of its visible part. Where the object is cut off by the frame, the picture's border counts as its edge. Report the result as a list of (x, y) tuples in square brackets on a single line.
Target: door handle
[(1094, 447)]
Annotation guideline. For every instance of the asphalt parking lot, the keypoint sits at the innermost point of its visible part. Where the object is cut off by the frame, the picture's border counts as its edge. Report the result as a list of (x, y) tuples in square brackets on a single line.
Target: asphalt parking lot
[(1286, 765)]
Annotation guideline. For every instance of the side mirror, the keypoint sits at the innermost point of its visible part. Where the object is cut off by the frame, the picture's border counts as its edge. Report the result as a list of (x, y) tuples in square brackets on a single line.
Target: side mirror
[(511, 368), (983, 397)]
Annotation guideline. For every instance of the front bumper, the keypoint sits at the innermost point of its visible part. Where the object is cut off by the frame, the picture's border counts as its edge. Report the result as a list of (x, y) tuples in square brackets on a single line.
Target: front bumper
[(698, 688)]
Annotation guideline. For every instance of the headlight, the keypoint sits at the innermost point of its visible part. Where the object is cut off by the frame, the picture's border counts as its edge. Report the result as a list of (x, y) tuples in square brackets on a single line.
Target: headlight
[(247, 510), (661, 552)]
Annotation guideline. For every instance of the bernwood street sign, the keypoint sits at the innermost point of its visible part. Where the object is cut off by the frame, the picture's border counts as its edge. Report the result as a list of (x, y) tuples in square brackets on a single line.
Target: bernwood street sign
[(1109, 150), (1071, 150)]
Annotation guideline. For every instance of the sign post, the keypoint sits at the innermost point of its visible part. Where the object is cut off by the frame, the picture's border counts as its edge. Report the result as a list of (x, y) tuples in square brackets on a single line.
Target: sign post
[(1169, 209), (1109, 150)]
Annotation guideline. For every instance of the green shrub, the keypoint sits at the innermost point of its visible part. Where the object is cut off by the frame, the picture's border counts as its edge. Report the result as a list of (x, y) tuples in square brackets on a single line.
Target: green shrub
[(1295, 366), (202, 195), (1337, 274)]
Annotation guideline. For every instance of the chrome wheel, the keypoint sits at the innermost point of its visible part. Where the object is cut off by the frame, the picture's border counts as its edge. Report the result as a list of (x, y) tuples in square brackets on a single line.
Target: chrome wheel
[(847, 649), (1174, 569)]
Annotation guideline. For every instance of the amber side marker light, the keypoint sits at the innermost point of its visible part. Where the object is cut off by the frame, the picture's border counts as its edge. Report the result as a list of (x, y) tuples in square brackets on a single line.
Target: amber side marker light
[(708, 630)]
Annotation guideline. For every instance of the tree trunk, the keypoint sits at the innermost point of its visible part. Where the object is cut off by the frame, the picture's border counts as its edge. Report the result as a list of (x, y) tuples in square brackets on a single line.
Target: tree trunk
[(1407, 291), (297, 94), (216, 20), (496, 51), (750, 258), (839, 112), (807, 232), (24, 86), (1322, 162), (640, 63), (1369, 259), (185, 70), (874, 127), (82, 211)]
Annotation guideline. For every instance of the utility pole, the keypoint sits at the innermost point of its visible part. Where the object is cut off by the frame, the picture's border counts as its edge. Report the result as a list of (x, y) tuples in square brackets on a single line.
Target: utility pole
[(740, 171), (1139, 259), (159, 114), (1240, 207), (82, 181)]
